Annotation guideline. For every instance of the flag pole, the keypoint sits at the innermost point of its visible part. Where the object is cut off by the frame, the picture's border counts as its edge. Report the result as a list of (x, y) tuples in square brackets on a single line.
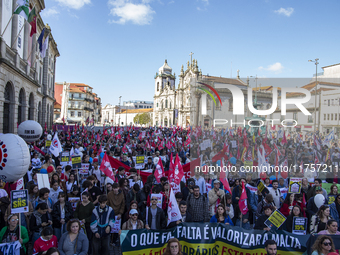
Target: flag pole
[(16, 38), (7, 25), (31, 50)]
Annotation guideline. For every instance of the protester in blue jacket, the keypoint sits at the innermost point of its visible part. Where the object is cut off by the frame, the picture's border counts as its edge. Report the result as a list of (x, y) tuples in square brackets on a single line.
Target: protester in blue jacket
[(103, 218), (221, 216)]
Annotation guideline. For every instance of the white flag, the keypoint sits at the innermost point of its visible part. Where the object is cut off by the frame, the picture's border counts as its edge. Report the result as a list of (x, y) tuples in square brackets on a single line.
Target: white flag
[(173, 211), (72, 152), (55, 148)]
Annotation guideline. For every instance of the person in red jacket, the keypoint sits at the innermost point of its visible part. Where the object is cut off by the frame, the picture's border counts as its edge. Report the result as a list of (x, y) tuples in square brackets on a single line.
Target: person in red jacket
[(46, 241), (287, 205)]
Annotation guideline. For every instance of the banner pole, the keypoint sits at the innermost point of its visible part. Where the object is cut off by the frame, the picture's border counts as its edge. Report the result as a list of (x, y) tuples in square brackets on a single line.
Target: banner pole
[(7, 25), (16, 38)]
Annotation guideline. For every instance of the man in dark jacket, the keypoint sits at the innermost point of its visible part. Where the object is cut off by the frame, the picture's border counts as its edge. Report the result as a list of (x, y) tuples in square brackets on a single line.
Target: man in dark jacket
[(198, 206), (186, 216), (133, 195), (311, 208), (102, 222), (155, 218)]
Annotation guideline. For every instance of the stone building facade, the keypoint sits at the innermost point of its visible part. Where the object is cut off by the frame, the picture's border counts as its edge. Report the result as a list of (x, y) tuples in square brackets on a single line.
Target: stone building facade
[(26, 79)]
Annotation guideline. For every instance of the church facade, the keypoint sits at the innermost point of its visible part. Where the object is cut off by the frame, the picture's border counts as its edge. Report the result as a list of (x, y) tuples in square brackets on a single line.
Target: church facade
[(191, 104)]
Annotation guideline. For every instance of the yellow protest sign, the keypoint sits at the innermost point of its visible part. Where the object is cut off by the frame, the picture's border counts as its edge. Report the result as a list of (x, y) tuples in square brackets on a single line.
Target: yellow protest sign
[(275, 220)]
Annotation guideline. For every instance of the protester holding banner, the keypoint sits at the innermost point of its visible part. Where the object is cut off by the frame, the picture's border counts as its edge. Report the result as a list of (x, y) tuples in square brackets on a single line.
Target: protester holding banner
[(155, 218), (323, 245), (198, 206), (216, 196), (221, 216), (332, 228), (174, 248), (295, 212), (268, 209), (319, 221), (11, 233)]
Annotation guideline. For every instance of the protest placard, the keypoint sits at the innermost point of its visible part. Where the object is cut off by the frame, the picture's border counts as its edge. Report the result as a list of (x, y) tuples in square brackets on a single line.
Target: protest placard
[(76, 162), (84, 168), (117, 225), (43, 181), (299, 226), (74, 201), (295, 185), (48, 143), (275, 220), (19, 201)]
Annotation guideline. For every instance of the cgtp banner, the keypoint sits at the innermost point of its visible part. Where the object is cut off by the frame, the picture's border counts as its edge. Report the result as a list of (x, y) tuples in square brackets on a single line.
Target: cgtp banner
[(210, 239)]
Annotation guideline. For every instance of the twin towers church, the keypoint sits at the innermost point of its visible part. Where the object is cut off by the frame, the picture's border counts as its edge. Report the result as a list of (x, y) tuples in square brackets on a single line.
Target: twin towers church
[(193, 100)]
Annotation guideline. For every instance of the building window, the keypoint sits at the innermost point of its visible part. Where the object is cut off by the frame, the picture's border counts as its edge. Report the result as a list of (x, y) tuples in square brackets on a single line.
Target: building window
[(157, 86), (295, 116), (328, 116), (170, 107), (324, 117), (230, 105), (332, 101), (166, 103), (157, 105), (72, 113), (79, 114), (332, 116), (325, 102), (310, 118), (329, 102), (335, 116)]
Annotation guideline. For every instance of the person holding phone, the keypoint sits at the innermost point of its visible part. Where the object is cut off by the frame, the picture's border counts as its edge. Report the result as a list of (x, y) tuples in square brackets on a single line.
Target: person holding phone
[(40, 219)]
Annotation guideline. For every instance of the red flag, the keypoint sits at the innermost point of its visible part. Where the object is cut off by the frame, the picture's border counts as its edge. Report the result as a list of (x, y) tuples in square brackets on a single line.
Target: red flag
[(189, 168), (40, 151), (224, 180), (242, 203), (178, 173), (98, 137), (159, 172), (106, 167), (116, 163)]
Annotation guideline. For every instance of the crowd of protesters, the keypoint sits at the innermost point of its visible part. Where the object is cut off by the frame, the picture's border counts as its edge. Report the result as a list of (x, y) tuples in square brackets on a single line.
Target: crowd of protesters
[(77, 213)]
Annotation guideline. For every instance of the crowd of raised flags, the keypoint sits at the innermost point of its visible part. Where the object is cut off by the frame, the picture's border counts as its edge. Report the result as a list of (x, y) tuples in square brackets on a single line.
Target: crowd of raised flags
[(180, 161)]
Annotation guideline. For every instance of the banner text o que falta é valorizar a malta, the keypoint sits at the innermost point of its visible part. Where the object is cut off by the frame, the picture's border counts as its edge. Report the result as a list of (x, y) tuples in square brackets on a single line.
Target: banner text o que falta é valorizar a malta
[(211, 239)]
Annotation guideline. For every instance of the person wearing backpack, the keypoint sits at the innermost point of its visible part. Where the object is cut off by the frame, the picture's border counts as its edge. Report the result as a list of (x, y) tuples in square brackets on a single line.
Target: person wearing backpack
[(198, 206)]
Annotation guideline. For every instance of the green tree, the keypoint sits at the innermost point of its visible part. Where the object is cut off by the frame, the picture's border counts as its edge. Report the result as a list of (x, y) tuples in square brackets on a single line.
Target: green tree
[(142, 118)]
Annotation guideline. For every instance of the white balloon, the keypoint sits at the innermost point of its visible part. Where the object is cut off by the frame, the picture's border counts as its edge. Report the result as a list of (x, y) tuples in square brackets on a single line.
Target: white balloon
[(155, 160), (319, 200), (30, 131), (49, 137), (14, 157)]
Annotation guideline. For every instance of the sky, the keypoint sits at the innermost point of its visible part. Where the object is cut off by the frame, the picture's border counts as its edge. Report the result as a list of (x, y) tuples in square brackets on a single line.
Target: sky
[(117, 46)]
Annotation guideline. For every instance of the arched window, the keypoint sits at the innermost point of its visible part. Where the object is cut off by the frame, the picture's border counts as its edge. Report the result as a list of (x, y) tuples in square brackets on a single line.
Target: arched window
[(157, 86), (21, 106), (166, 103), (31, 107), (8, 117), (170, 105)]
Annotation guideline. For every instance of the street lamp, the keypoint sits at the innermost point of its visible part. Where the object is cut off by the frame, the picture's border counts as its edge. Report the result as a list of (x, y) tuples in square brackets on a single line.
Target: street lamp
[(316, 84)]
